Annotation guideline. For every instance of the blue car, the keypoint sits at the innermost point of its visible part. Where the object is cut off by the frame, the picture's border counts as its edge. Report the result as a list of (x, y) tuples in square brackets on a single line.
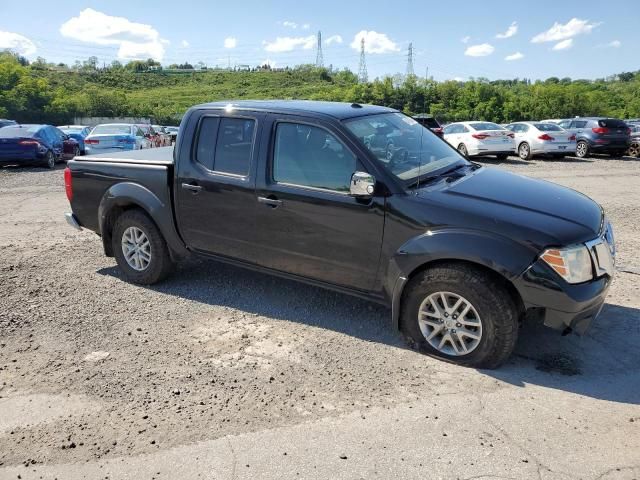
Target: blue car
[(36, 144), (77, 132)]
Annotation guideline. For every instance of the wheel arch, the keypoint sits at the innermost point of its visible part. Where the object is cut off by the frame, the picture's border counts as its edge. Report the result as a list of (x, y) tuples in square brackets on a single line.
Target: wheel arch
[(126, 196), (499, 257)]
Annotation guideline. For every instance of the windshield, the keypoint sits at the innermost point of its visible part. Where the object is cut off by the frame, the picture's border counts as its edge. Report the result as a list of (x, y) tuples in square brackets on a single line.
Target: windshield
[(403, 146), (112, 130)]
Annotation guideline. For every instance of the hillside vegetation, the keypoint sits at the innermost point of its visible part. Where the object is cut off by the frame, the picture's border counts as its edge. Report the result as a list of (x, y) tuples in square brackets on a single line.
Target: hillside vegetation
[(41, 92)]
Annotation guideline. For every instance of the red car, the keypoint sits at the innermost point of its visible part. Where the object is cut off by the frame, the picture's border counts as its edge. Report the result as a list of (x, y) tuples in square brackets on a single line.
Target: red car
[(70, 146), (430, 122)]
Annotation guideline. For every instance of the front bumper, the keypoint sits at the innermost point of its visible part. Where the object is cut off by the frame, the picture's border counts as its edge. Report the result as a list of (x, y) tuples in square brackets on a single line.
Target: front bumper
[(563, 305)]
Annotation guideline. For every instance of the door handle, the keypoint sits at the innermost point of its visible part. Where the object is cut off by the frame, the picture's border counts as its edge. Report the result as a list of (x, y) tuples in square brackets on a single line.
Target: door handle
[(272, 202), (192, 188)]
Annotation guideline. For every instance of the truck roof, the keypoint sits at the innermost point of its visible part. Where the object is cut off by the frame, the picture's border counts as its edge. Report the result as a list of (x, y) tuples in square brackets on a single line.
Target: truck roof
[(339, 110)]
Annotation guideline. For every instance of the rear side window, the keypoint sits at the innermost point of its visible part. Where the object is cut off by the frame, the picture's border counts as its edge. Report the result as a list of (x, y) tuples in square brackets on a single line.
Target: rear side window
[(547, 127), (225, 145), (611, 123), (486, 126)]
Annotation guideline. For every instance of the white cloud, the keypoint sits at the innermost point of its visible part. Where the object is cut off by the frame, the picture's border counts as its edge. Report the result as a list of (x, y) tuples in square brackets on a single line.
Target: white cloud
[(374, 42), (465, 39), (333, 39), (17, 43), (482, 50), (287, 44), (184, 43), (558, 32), (563, 45), (614, 44), (511, 31), (514, 56), (305, 26), (135, 40), (230, 42), (289, 24)]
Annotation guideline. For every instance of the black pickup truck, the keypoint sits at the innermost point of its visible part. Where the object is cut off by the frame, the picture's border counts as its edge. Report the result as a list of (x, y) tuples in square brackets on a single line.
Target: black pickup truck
[(460, 252)]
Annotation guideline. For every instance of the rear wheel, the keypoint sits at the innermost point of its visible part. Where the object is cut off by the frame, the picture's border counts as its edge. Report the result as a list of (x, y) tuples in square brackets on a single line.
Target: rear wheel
[(582, 149), (50, 160), (462, 314), (634, 150), (139, 248), (462, 148), (524, 151)]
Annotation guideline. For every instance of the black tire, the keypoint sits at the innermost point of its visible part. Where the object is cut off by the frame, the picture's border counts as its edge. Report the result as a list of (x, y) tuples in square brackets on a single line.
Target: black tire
[(49, 160), (502, 156), (488, 295), (160, 264), (524, 151), (462, 148), (582, 149)]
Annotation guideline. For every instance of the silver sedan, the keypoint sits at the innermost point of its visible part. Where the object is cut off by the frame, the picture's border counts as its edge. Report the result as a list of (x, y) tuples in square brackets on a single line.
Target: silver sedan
[(542, 138)]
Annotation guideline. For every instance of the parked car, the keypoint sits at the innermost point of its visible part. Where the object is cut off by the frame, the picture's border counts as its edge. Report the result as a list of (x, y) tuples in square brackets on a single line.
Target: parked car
[(598, 135), (70, 146), (165, 138), (538, 138), (78, 132), (110, 137), (430, 122), (31, 144), (634, 146), (461, 253), (173, 133), (552, 120), (480, 138), (4, 122), (150, 134)]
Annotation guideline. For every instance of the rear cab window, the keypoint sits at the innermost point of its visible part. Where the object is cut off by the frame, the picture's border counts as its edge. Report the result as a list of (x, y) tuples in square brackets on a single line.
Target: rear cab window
[(225, 144)]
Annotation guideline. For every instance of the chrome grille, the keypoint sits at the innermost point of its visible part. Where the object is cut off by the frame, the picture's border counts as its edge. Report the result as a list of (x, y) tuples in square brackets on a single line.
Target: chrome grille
[(603, 252)]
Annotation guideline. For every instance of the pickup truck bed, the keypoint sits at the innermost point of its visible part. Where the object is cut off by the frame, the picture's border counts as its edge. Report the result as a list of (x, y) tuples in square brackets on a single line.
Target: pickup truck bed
[(153, 156)]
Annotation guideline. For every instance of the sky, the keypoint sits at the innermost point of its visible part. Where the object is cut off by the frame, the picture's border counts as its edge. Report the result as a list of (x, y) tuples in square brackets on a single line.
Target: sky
[(496, 40)]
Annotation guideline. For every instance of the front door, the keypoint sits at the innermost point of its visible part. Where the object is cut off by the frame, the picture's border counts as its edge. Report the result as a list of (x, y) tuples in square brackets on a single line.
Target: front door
[(307, 223), (215, 185)]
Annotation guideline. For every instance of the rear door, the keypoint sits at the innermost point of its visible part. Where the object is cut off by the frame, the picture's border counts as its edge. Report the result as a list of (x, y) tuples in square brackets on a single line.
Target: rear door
[(215, 184), (307, 223)]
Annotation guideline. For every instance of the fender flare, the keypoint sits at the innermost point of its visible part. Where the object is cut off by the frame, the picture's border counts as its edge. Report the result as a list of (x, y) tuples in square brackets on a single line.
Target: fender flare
[(129, 194), (502, 255)]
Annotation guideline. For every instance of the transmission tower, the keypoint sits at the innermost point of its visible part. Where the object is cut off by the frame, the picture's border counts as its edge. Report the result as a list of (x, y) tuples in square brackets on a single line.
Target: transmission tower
[(319, 57), (410, 72), (363, 77)]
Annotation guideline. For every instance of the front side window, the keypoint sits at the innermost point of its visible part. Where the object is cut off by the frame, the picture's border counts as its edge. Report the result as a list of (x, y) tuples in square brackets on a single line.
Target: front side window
[(312, 157), (579, 124), (403, 146)]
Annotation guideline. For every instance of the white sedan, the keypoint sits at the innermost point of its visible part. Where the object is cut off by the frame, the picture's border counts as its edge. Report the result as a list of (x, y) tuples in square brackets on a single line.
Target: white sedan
[(480, 138), (541, 138)]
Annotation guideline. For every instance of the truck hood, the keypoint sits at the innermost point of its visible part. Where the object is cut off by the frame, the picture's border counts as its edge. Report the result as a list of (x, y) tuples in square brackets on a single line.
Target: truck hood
[(532, 211)]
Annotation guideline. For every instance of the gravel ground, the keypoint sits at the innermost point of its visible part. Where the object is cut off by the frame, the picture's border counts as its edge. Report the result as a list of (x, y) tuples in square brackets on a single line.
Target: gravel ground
[(96, 372)]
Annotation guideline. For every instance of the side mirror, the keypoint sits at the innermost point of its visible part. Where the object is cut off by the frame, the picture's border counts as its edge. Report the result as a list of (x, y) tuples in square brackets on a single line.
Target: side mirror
[(362, 184)]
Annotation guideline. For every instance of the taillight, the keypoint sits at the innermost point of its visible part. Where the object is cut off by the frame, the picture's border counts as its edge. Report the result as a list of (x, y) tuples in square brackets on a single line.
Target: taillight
[(29, 142), (600, 130), (546, 137), (91, 141), (511, 135), (437, 130), (480, 136), (68, 188), (572, 138)]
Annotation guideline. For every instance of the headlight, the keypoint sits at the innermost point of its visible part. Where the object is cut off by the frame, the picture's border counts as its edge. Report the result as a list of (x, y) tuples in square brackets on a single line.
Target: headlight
[(571, 263)]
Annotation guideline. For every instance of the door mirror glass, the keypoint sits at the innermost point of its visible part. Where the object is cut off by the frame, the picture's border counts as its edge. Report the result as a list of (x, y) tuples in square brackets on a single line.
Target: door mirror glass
[(362, 184)]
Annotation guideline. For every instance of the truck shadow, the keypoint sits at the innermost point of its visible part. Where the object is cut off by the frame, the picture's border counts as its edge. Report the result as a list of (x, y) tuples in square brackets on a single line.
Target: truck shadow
[(601, 365)]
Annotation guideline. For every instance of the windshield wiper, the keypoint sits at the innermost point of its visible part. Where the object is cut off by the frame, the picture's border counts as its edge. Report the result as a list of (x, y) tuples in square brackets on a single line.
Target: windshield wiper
[(430, 178)]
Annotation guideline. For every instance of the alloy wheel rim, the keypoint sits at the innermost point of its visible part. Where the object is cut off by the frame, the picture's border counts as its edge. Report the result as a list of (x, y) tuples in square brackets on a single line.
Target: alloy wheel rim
[(581, 150), (450, 323), (136, 248), (524, 150)]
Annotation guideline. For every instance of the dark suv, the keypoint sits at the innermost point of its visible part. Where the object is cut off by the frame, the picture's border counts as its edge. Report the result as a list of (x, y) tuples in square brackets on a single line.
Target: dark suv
[(598, 135), (430, 122)]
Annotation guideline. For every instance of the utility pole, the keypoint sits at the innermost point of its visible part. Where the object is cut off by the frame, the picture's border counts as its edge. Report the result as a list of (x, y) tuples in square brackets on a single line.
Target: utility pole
[(410, 72), (319, 57), (363, 77)]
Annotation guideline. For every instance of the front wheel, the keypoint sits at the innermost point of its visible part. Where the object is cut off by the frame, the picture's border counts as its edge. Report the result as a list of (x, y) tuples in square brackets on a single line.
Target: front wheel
[(462, 314), (140, 250), (462, 148)]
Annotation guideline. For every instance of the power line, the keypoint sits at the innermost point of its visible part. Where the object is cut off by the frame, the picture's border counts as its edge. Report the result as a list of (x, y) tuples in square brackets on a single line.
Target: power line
[(363, 77), (319, 57)]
